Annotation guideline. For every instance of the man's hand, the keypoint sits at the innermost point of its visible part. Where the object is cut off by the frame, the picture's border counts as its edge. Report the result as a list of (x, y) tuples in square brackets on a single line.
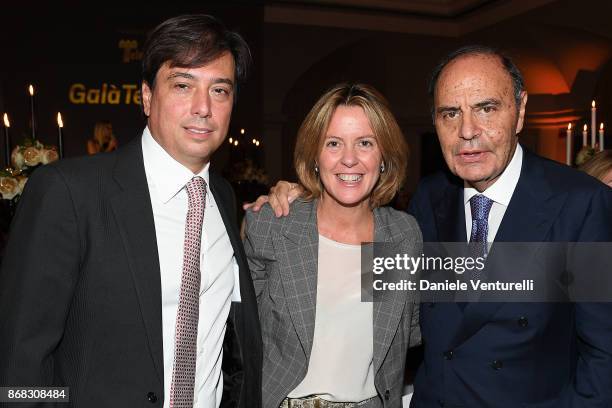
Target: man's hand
[(281, 195)]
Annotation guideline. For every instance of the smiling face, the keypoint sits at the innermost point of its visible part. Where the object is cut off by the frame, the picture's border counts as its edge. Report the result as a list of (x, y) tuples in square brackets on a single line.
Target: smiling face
[(477, 119), (349, 163), (189, 109)]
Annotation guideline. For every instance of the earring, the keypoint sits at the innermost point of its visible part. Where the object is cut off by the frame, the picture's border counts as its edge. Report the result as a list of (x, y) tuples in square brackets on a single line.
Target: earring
[(316, 169), (382, 167)]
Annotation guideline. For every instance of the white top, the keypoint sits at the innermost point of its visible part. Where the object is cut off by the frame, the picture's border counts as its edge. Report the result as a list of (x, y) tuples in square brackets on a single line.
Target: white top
[(500, 192), (166, 179), (340, 367)]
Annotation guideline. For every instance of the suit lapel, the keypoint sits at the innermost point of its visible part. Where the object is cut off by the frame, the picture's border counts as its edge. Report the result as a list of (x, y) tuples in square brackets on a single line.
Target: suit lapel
[(449, 213), (299, 262), (134, 215), (224, 203), (528, 218), (388, 309), (533, 208)]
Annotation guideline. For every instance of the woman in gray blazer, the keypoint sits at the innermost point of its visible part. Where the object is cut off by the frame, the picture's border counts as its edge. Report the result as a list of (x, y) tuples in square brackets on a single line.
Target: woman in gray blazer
[(323, 346)]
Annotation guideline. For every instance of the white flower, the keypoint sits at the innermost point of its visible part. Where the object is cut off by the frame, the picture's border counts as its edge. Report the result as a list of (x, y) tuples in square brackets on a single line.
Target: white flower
[(32, 156), (9, 187), (17, 158), (48, 156)]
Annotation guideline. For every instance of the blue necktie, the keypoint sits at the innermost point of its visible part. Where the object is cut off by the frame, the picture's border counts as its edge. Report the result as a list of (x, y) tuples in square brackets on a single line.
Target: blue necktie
[(480, 206)]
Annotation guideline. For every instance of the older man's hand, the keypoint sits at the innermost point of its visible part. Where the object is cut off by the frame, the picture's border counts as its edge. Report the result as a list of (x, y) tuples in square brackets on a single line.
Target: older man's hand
[(280, 196)]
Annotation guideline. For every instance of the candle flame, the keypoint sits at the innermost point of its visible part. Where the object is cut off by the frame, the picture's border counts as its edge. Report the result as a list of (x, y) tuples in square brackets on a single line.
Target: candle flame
[(231, 140), (235, 143), (6, 121), (242, 131), (60, 123), (31, 90), (584, 128), (593, 103), (569, 127), (601, 126)]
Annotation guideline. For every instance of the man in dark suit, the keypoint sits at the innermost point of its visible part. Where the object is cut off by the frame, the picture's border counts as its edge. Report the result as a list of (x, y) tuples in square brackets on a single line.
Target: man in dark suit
[(485, 354), (125, 278)]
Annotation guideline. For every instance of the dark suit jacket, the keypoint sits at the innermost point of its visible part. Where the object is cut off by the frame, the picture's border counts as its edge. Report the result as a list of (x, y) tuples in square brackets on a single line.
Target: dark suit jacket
[(518, 354), (80, 288)]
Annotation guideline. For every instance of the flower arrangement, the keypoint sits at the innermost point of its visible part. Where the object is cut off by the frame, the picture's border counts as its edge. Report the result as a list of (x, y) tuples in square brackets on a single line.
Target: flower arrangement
[(25, 157)]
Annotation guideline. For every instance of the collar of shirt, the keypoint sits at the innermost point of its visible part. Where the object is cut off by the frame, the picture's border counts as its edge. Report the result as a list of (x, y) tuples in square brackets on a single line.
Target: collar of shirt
[(164, 173), (501, 191)]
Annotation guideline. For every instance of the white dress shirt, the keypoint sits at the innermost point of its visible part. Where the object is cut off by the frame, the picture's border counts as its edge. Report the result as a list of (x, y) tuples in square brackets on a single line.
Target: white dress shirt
[(500, 192), (167, 179), (340, 367)]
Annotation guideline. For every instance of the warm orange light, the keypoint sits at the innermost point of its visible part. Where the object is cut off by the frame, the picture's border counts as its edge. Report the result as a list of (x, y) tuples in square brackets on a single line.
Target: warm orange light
[(60, 123), (6, 121), (569, 127), (31, 90)]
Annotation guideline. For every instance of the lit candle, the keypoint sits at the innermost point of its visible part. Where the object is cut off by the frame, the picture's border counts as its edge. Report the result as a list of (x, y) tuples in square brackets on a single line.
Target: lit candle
[(593, 123), (31, 90), (60, 138), (7, 142), (601, 138), (568, 145), (584, 135)]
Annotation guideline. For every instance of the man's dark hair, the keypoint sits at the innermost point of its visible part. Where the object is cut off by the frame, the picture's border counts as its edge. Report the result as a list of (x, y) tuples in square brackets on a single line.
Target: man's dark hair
[(512, 70), (190, 41)]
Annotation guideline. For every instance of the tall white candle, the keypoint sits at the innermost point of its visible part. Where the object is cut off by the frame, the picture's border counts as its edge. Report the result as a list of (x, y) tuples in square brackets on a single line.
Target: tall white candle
[(568, 146), (60, 136), (584, 136), (601, 137), (31, 92), (593, 123), (7, 142)]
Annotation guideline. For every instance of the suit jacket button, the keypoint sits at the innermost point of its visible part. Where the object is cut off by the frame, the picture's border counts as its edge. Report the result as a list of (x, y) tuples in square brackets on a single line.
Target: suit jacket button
[(523, 322), (497, 364), (152, 397), (448, 355), (387, 396)]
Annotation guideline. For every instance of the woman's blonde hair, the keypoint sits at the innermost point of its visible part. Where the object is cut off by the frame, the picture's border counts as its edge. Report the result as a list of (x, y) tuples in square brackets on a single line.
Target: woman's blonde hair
[(599, 165), (390, 139), (103, 131)]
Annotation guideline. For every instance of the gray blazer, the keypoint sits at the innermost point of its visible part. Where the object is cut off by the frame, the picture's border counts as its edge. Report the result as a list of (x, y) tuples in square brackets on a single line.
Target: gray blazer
[(282, 254)]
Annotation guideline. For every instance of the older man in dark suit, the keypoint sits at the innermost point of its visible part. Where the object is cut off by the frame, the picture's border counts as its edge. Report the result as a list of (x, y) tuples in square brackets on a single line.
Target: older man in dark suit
[(124, 272), (491, 354)]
